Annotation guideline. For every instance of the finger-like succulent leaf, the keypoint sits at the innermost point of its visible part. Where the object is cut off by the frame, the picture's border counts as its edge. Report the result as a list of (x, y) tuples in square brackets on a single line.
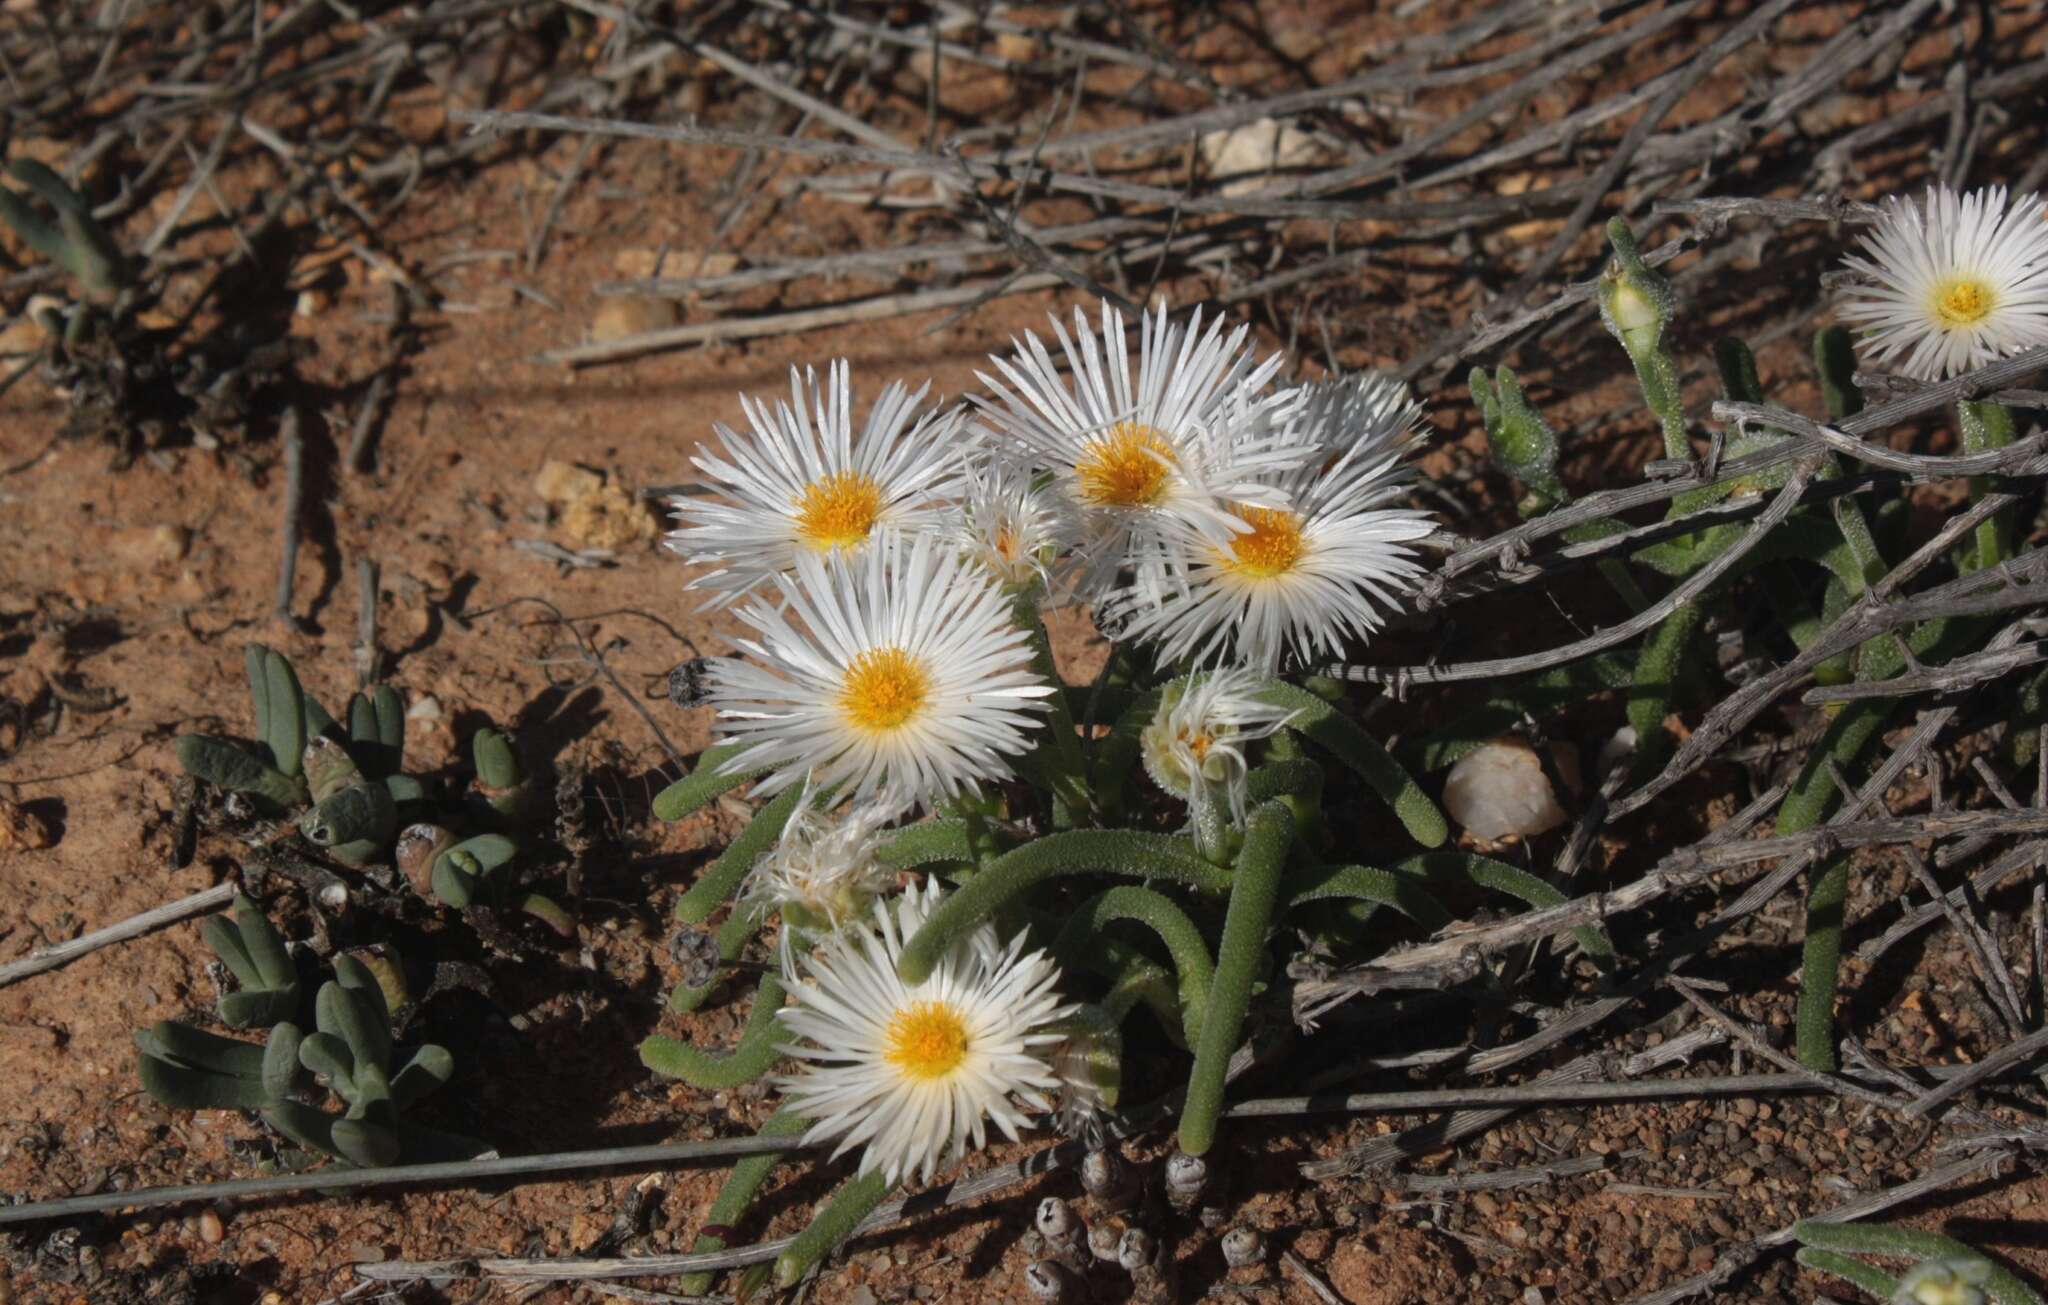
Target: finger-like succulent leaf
[(405, 788), (183, 1045), (282, 1068), (255, 1008), (328, 1056), (497, 764), (310, 1128), (357, 813), (355, 1014), (548, 911), (265, 945), (454, 885), (223, 765), (365, 1143), (185, 1088), (285, 729), (386, 972), (226, 941), (355, 974), (429, 1069)]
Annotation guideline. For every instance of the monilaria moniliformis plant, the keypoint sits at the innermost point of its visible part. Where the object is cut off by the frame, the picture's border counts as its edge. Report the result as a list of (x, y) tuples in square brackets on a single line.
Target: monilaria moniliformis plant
[(975, 887)]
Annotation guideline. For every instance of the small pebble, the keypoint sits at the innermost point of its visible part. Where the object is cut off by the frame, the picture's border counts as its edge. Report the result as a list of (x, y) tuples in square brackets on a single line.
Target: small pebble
[(211, 1230)]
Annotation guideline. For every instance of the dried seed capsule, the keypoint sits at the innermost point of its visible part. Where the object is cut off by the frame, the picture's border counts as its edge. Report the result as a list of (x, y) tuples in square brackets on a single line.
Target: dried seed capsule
[(1244, 1247), (1106, 1177), (696, 950), (1186, 1176), (1137, 1250), (1064, 1233), (1103, 1241), (1049, 1280)]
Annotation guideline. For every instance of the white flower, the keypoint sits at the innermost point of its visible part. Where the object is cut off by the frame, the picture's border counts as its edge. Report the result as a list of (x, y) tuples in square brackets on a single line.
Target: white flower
[(799, 482), (1194, 430), (903, 678), (1008, 526), (917, 1072), (1197, 738), (1960, 280), (1944, 1282), (823, 873), (1308, 573)]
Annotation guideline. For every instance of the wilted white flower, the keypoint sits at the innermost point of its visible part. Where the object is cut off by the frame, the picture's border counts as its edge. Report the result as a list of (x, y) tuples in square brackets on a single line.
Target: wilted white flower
[(798, 482), (1957, 281), (823, 872), (898, 676), (1194, 748), (915, 1073)]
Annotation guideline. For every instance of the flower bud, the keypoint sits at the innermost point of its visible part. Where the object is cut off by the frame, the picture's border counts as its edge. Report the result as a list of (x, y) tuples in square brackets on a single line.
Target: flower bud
[(1137, 1251)]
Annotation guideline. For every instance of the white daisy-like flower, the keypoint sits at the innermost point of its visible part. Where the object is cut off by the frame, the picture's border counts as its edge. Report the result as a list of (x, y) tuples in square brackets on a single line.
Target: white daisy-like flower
[(902, 678), (800, 482), (1009, 526), (917, 1072), (823, 873), (1195, 746), (1958, 281), (1305, 575), (1195, 430)]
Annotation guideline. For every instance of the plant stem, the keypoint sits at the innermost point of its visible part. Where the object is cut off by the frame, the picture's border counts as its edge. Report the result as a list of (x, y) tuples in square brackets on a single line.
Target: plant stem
[(1268, 835)]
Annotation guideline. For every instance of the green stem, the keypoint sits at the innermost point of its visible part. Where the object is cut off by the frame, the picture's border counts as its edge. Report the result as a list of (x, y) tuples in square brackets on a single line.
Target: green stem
[(1058, 757), (1364, 883), (719, 880), (924, 843), (1320, 722), (853, 1202), (706, 782), (1184, 942), (1501, 877), (755, 1055), (1268, 835), (1987, 426), (1856, 1273), (1079, 851), (740, 1188), (1885, 1239)]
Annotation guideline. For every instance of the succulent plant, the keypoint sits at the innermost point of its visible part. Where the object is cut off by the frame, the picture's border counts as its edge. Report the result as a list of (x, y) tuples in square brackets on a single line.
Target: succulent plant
[(70, 237), (350, 1052), (348, 795)]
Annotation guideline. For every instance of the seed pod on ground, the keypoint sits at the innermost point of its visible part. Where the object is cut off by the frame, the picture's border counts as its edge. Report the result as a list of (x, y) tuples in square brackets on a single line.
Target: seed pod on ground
[(1138, 1251), (1063, 1231), (1103, 1240), (1049, 1280), (1244, 1247), (1106, 1177)]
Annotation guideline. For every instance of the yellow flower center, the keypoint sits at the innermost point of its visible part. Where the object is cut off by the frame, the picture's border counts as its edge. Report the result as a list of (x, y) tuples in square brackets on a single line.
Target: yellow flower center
[(1962, 302), (1273, 546), (1126, 468), (838, 511), (926, 1041), (1006, 543), (885, 687), (1199, 742)]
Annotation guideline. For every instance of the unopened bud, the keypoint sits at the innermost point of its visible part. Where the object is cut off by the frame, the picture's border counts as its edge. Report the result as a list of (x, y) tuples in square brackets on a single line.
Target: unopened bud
[(1186, 1176), (1137, 1251), (1244, 1247)]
